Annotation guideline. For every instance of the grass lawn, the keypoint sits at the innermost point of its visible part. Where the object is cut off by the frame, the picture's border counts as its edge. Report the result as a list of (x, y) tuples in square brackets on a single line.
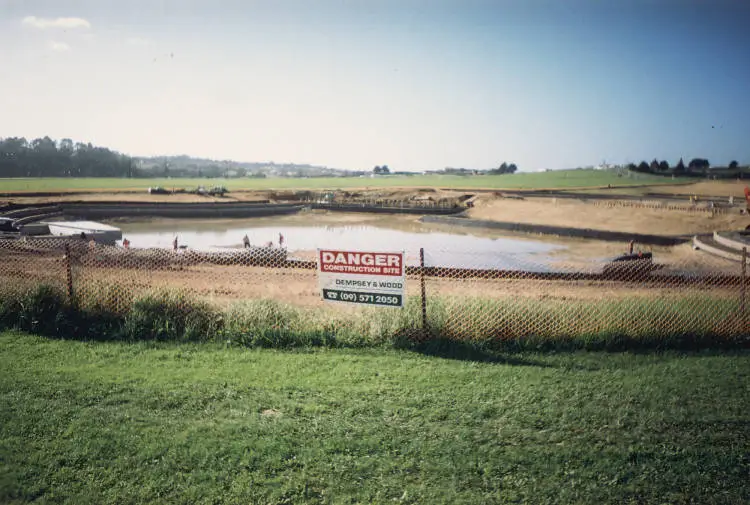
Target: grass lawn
[(555, 179), (134, 423)]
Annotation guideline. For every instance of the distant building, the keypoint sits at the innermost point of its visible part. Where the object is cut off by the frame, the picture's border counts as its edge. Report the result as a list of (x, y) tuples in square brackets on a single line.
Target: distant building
[(605, 166)]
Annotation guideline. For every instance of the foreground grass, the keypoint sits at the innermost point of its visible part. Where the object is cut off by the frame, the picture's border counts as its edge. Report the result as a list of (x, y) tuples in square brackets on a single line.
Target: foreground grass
[(537, 180), (134, 423)]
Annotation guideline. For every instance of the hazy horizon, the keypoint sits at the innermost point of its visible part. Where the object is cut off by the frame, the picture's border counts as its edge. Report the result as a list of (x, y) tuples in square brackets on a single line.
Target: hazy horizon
[(416, 85)]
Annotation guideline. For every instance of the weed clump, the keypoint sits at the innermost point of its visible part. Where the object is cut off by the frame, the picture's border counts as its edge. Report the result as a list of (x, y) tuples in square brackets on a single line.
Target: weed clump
[(171, 316)]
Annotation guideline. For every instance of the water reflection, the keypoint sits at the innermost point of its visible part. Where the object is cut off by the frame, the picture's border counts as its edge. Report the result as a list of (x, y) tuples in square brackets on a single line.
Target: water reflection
[(441, 248)]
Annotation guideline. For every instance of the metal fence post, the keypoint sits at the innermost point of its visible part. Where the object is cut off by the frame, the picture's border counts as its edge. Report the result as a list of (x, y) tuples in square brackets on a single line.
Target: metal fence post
[(424, 293), (69, 274)]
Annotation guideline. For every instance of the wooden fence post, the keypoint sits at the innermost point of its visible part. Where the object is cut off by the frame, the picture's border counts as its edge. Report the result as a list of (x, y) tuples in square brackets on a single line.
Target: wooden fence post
[(424, 292), (743, 314)]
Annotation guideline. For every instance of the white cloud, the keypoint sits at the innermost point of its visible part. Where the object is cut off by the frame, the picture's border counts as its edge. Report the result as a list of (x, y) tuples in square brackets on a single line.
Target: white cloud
[(43, 23), (59, 47), (138, 41)]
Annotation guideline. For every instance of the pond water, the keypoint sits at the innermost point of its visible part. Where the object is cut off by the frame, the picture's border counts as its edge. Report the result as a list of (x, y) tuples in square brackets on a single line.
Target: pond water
[(303, 234)]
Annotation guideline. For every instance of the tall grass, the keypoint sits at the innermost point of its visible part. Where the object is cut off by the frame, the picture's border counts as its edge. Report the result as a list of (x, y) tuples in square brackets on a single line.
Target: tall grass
[(459, 323), (171, 315), (629, 322)]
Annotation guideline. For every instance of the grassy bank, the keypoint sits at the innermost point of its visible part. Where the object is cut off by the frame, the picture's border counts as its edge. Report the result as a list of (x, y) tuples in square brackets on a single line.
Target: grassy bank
[(536, 180), (198, 423), (470, 324)]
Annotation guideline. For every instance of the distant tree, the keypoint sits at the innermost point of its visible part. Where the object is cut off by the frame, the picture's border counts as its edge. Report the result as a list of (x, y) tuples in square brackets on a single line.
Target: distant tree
[(664, 166), (733, 164), (632, 167), (504, 168), (67, 146), (699, 164), (654, 166), (385, 170), (680, 167), (643, 167)]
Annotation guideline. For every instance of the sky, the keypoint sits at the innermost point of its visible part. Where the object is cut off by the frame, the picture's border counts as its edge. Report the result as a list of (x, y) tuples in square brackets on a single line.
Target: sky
[(414, 84)]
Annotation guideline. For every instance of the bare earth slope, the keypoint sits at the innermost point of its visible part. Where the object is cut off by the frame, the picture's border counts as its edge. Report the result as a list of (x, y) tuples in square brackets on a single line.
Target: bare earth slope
[(578, 214)]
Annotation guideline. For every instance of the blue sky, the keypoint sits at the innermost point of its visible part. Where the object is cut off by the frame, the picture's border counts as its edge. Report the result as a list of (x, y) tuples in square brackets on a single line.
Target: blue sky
[(414, 84)]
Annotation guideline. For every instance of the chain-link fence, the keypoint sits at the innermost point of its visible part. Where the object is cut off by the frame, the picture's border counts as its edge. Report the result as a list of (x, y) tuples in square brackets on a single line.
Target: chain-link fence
[(451, 294)]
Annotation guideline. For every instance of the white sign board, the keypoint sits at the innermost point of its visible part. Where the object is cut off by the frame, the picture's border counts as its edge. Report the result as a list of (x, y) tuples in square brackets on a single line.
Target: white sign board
[(367, 278)]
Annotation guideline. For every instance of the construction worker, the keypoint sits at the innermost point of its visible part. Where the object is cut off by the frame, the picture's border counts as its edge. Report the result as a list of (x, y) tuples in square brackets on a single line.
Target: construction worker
[(281, 240), (174, 244), (246, 241), (126, 243)]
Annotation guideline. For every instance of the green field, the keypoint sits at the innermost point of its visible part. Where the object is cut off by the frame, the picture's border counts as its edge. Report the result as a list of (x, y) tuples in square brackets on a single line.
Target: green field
[(161, 423), (555, 179)]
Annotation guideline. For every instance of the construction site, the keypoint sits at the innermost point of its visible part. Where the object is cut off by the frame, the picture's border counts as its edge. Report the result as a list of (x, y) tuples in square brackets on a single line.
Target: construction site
[(664, 250)]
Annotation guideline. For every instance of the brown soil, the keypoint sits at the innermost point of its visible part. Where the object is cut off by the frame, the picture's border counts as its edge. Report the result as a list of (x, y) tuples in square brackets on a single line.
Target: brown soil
[(722, 189), (580, 214), (222, 285)]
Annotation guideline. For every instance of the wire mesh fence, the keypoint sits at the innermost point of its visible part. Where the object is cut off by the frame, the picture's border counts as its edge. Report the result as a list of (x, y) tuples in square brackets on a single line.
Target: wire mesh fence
[(449, 294)]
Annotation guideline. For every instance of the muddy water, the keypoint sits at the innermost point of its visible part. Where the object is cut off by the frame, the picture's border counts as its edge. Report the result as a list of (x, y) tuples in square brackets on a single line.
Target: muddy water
[(306, 232)]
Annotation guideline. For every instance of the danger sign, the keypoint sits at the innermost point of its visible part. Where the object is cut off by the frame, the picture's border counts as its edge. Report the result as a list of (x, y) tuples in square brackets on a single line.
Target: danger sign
[(370, 278)]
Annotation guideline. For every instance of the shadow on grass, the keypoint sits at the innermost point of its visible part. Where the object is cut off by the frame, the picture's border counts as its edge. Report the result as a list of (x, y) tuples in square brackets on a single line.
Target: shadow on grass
[(441, 347)]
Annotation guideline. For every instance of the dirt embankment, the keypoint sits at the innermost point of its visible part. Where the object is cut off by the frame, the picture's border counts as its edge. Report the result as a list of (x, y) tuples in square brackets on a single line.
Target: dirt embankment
[(254, 196), (580, 214), (351, 195), (722, 189)]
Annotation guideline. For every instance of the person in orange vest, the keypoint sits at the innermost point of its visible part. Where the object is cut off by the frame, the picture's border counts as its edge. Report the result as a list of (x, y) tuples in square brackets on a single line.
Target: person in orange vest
[(126, 243)]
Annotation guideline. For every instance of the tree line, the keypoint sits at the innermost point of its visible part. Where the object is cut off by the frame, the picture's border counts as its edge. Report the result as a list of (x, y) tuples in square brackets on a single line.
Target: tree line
[(43, 157), (696, 167), (504, 168)]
